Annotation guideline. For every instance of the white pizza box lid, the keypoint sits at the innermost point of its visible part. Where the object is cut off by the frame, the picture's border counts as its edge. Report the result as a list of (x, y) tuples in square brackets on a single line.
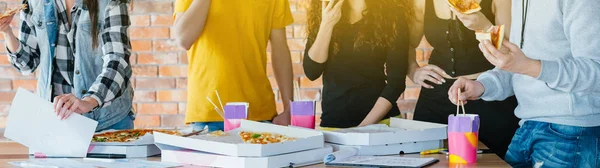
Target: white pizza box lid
[(391, 149), (399, 131), (128, 151), (295, 159), (232, 144)]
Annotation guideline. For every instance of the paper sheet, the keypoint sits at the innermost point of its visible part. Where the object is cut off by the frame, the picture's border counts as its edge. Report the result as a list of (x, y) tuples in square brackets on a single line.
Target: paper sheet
[(383, 161), (33, 123), (72, 163)]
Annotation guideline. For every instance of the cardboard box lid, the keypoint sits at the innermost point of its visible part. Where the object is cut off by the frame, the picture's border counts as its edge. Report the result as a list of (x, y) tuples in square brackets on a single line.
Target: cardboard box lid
[(399, 131), (295, 159), (232, 145)]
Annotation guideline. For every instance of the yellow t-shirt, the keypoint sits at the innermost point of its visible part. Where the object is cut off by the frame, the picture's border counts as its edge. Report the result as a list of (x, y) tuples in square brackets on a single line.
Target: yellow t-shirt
[(230, 56)]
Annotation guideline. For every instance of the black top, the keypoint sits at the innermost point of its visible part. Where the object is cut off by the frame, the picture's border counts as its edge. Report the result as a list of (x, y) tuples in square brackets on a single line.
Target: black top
[(353, 80), (456, 49)]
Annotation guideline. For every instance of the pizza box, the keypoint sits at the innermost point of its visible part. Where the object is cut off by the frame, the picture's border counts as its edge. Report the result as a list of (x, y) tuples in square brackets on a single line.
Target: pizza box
[(399, 131), (147, 139), (392, 149), (129, 151), (232, 144), (295, 159)]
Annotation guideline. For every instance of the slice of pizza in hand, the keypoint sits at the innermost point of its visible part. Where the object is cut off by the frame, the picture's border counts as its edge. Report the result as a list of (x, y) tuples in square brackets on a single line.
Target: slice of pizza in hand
[(495, 34), (465, 6), (13, 11)]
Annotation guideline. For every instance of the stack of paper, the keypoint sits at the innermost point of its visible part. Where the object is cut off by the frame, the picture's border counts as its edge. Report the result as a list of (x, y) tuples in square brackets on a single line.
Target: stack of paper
[(33, 123)]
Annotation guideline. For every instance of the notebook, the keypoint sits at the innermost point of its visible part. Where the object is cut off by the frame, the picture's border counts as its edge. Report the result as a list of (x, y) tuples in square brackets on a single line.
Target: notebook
[(349, 158)]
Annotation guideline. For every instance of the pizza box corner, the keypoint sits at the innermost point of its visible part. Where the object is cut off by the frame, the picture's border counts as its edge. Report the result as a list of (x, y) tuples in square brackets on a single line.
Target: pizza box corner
[(232, 145), (391, 149), (399, 131)]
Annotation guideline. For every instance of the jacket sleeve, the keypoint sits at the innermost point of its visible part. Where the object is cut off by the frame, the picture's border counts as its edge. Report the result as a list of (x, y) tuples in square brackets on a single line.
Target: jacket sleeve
[(27, 58), (116, 50)]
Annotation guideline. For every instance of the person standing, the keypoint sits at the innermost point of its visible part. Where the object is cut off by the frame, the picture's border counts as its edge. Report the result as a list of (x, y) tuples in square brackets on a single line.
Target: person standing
[(226, 42), (456, 54), (81, 49), (552, 65), (360, 48)]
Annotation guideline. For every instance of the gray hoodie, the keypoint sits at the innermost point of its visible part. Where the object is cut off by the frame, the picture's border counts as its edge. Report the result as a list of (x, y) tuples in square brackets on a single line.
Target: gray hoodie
[(565, 36)]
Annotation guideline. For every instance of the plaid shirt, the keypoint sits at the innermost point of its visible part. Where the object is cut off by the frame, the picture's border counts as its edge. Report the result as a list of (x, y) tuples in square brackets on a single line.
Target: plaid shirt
[(115, 45)]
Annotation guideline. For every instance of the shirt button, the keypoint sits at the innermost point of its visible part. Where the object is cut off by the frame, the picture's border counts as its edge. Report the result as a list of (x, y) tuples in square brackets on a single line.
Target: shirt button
[(451, 49), (83, 92), (447, 32), (53, 44), (453, 72), (452, 59), (77, 72)]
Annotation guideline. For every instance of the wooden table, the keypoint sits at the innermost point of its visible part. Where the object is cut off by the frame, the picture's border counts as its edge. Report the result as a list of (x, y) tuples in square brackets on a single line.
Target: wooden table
[(11, 151)]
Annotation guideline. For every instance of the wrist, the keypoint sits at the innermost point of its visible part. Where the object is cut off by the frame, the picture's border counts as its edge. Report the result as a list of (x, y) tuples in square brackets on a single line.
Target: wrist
[(533, 68), (91, 101), (326, 26)]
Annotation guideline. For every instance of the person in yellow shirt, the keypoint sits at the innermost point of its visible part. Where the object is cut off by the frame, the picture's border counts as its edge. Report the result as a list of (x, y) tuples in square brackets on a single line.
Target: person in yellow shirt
[(226, 42)]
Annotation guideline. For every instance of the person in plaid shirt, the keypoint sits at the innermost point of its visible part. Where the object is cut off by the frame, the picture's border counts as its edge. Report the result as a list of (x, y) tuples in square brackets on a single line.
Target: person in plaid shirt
[(82, 50)]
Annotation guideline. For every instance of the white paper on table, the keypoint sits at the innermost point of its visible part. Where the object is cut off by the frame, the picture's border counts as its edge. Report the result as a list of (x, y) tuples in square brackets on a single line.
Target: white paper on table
[(33, 123), (382, 161), (72, 163), (61, 162)]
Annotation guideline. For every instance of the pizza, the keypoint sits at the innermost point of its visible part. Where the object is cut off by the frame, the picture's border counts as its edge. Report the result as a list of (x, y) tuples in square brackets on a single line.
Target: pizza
[(13, 11), (218, 133), (495, 34), (263, 138), (128, 135), (465, 6)]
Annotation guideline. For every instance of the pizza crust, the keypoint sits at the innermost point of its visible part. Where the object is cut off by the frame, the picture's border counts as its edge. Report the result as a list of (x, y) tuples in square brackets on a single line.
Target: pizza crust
[(459, 5), (495, 34)]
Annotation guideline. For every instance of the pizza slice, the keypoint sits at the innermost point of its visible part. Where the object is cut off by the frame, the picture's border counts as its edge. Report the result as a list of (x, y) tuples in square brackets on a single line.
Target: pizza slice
[(465, 6), (495, 34), (13, 11), (263, 138), (128, 135)]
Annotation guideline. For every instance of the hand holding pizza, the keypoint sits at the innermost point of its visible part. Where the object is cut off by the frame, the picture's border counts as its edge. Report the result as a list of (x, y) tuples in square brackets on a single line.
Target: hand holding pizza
[(5, 23), (510, 59), (473, 21), (67, 104), (332, 13)]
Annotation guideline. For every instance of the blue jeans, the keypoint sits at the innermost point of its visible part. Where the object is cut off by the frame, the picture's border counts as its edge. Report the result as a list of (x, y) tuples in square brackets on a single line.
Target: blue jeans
[(124, 124), (541, 144), (212, 126)]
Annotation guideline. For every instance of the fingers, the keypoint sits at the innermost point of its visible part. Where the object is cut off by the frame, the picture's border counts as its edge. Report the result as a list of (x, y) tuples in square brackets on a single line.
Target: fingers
[(491, 58), (338, 6), (330, 5), (58, 102), (439, 71), (511, 46), (437, 78), (453, 91), (425, 85)]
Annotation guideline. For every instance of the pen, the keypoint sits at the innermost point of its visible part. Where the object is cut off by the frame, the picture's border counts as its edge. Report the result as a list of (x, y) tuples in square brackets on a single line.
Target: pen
[(106, 156), (433, 151)]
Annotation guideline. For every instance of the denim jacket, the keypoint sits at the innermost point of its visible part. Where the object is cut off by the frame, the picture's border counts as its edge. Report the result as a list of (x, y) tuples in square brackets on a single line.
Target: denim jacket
[(89, 63)]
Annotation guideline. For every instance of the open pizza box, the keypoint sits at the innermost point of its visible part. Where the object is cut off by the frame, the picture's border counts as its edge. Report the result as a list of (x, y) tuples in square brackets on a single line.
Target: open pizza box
[(232, 144), (142, 147), (391, 149), (399, 131), (295, 159)]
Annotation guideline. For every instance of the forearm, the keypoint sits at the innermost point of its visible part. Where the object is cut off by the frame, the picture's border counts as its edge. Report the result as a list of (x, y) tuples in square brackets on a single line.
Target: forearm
[(282, 68), (189, 25), (319, 51), (12, 42), (379, 110)]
